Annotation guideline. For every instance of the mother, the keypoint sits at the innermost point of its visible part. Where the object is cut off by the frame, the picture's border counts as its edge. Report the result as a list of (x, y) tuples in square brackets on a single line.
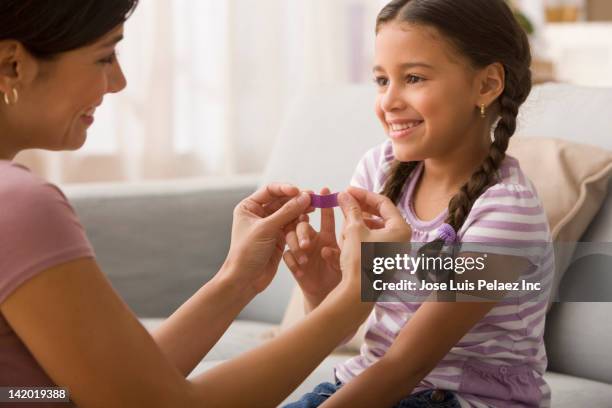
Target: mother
[(61, 321)]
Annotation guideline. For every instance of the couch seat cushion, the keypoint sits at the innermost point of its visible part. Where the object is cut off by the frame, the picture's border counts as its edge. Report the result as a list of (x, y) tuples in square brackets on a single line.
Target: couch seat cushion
[(242, 335)]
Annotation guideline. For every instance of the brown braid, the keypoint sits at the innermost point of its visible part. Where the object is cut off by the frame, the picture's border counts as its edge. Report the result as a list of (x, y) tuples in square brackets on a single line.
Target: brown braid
[(491, 25), (400, 171)]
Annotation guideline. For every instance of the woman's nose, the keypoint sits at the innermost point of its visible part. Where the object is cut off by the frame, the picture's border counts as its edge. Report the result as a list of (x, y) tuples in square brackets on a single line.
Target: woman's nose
[(393, 99), (116, 80)]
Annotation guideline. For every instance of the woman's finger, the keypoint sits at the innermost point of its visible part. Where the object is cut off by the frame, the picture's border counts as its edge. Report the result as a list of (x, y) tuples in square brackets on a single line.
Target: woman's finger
[(288, 212), (379, 205), (350, 208), (374, 223), (273, 191), (275, 205)]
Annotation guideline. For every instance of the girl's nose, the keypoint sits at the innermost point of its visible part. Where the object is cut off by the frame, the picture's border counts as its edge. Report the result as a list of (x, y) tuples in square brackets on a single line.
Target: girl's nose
[(393, 100)]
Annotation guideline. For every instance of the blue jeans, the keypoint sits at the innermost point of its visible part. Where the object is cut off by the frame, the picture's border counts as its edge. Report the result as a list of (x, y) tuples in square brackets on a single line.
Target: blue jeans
[(422, 399)]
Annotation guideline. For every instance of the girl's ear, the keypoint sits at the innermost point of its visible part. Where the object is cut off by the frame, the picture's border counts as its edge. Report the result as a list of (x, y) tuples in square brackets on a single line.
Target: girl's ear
[(492, 82), (17, 65)]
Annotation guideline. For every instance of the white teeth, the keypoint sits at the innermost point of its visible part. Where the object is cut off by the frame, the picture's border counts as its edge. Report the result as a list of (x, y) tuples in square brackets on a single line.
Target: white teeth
[(396, 127)]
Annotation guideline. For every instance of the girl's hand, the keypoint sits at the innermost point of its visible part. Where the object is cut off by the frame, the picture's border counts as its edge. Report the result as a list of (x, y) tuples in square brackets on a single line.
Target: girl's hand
[(258, 240), (314, 257)]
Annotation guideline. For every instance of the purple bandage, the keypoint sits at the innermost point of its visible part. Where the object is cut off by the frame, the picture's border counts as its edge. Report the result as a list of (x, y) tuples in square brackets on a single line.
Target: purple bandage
[(324, 201)]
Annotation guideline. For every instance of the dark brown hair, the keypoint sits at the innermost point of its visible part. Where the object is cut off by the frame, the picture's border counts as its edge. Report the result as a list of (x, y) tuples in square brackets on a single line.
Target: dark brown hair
[(49, 27), (485, 32)]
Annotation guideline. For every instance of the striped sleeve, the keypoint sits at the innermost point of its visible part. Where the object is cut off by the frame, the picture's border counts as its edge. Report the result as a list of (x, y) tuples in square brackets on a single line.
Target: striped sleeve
[(370, 170), (364, 175), (510, 218)]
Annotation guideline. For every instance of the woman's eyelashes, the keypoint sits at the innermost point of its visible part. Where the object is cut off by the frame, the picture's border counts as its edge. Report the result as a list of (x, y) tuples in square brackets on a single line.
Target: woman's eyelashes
[(108, 60), (410, 79)]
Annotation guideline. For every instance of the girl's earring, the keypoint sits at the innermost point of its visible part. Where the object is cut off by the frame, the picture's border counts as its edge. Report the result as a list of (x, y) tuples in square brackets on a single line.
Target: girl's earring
[(483, 111), (15, 97)]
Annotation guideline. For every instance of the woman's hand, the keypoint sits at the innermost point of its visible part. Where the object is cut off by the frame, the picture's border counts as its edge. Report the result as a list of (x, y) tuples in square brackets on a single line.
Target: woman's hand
[(314, 257), (382, 220), (387, 225), (258, 240)]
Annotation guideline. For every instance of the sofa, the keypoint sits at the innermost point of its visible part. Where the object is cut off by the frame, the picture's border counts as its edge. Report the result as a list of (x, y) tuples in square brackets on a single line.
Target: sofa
[(158, 242)]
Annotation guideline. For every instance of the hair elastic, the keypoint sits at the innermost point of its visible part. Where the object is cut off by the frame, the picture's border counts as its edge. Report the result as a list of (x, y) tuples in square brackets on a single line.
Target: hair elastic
[(447, 233), (324, 201)]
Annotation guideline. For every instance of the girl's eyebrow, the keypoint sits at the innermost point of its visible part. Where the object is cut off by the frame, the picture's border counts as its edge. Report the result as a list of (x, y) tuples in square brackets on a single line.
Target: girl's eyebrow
[(407, 65)]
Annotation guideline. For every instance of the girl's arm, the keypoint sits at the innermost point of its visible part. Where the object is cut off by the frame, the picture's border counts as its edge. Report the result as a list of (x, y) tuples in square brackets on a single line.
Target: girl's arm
[(427, 337)]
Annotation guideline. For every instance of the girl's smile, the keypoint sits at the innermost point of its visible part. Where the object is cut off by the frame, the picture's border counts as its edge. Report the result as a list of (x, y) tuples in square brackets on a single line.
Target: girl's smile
[(399, 128)]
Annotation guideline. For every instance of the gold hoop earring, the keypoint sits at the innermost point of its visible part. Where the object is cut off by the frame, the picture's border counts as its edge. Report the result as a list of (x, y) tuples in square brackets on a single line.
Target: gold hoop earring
[(483, 111), (15, 97)]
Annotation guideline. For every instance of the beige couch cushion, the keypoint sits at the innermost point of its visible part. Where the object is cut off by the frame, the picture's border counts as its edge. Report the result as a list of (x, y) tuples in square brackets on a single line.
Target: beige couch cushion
[(571, 180)]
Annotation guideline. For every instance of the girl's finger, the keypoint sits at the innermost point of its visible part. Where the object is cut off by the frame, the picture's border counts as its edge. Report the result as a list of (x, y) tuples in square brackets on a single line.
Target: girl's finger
[(294, 247), (332, 257), (305, 234), (292, 264), (328, 222)]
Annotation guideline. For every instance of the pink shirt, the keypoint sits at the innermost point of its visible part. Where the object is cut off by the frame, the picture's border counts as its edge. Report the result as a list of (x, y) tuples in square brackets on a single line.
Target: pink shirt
[(38, 230), (501, 361)]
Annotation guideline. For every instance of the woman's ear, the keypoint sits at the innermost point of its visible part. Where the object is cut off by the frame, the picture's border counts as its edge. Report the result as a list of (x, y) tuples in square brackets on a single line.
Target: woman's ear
[(17, 65), (491, 82)]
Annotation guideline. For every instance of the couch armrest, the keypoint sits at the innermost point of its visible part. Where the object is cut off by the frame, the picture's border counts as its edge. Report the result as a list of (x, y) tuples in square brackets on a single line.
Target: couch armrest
[(158, 242)]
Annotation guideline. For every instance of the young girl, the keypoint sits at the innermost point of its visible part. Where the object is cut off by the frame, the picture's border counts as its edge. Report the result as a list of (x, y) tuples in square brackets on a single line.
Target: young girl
[(448, 72)]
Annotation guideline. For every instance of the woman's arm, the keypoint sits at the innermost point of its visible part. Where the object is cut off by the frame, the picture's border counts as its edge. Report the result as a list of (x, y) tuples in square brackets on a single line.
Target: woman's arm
[(266, 375), (195, 327), (427, 337), (87, 339), (255, 251)]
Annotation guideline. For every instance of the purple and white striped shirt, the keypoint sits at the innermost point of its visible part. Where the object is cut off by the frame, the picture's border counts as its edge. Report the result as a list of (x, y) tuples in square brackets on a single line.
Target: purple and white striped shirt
[(501, 361)]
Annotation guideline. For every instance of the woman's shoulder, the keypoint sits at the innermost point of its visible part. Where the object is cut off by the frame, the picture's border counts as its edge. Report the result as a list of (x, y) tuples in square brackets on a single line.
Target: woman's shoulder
[(39, 227), (20, 188)]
